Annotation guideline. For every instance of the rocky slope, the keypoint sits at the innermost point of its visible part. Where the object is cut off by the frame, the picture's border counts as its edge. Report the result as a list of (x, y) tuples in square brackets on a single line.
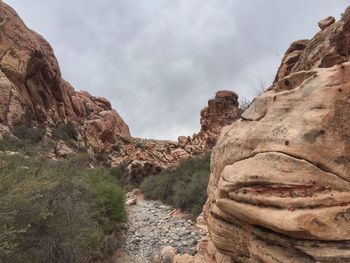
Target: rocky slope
[(151, 227), (33, 92), (145, 157), (279, 189)]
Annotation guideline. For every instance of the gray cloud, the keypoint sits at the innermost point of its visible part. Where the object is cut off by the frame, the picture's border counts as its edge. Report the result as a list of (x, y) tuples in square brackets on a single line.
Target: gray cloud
[(159, 61)]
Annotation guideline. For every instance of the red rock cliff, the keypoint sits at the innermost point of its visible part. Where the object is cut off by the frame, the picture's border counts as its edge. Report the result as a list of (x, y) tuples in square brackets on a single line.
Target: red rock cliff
[(32, 90)]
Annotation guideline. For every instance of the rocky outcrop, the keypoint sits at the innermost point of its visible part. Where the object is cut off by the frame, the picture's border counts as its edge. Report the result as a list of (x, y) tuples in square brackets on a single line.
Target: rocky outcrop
[(33, 92), (329, 47), (326, 22), (148, 157), (221, 111), (279, 189)]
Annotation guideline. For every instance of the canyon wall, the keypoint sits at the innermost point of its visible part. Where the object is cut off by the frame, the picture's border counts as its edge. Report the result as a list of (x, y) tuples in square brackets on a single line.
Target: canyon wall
[(33, 92), (279, 189)]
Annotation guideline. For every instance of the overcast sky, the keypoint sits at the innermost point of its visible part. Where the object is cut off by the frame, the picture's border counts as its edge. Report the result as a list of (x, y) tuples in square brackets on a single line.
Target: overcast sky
[(159, 61)]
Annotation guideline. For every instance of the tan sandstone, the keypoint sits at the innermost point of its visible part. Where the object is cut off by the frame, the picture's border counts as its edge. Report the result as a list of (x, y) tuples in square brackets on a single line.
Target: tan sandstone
[(279, 189)]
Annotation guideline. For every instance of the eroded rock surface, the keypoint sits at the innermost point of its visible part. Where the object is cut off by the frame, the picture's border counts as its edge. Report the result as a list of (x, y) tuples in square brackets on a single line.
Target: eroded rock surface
[(279, 189), (33, 92), (148, 157)]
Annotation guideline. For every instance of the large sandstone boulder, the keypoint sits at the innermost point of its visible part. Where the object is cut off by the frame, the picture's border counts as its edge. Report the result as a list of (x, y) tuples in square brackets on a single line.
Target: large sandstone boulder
[(33, 92), (279, 189)]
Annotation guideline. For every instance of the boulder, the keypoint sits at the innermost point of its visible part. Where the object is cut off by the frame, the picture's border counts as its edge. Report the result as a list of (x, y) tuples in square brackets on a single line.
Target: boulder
[(132, 201), (329, 47), (166, 255), (279, 190), (62, 150), (326, 22)]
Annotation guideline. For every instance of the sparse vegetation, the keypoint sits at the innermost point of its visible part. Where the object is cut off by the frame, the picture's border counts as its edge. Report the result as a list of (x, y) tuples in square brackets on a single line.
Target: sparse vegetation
[(244, 104), (24, 139), (23, 132), (184, 186), (64, 131)]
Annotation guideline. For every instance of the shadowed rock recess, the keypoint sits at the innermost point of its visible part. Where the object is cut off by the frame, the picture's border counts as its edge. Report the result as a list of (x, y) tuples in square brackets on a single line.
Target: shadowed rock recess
[(33, 92), (279, 189)]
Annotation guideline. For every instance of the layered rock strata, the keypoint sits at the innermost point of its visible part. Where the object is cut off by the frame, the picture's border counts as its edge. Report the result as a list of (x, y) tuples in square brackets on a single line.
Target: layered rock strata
[(279, 189), (33, 92)]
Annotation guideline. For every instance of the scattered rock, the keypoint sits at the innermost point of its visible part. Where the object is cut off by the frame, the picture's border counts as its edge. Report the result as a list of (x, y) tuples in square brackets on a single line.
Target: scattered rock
[(154, 235)]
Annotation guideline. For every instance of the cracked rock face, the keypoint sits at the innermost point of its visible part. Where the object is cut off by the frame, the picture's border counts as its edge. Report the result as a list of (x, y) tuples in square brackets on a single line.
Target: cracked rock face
[(33, 92), (279, 189), (280, 182)]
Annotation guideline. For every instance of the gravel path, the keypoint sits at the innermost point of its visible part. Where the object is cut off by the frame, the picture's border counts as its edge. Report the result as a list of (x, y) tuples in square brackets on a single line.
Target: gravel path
[(150, 229)]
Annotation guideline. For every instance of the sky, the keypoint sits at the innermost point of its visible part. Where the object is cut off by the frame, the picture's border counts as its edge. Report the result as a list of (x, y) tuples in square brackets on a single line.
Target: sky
[(160, 61)]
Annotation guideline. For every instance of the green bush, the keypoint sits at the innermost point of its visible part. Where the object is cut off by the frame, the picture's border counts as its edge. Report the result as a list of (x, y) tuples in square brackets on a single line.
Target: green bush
[(119, 174), (64, 131), (9, 143), (184, 186), (25, 139), (32, 134), (25, 146), (56, 211), (110, 196)]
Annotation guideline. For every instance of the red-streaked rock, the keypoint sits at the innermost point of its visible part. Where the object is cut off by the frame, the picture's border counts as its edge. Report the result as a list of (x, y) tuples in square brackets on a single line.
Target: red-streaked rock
[(33, 92), (279, 189)]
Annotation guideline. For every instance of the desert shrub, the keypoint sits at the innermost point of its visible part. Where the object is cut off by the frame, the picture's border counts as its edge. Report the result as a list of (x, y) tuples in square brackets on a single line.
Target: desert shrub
[(24, 139), (56, 211), (9, 143), (102, 158), (119, 174), (25, 146), (64, 131), (184, 186), (32, 134), (110, 196)]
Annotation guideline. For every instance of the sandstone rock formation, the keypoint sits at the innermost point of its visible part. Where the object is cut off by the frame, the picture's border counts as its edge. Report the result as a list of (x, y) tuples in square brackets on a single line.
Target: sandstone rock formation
[(147, 157), (221, 111), (326, 22), (329, 47), (33, 92), (279, 189)]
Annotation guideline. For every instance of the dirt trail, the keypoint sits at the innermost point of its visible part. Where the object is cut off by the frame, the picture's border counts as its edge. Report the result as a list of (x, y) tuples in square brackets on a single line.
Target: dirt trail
[(150, 228)]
